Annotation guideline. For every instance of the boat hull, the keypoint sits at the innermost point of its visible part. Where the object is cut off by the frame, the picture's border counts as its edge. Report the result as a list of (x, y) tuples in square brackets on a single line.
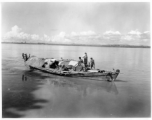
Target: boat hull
[(109, 76), (35, 63)]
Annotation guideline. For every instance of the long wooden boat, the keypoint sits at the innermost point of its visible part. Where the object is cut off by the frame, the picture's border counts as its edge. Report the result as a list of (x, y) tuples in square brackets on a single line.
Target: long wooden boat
[(35, 63)]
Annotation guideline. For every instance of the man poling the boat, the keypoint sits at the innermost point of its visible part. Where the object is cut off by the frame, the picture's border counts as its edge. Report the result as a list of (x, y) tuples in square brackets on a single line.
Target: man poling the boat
[(85, 59)]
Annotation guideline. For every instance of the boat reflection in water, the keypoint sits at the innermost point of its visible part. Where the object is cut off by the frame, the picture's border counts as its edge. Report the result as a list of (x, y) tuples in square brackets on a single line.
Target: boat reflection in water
[(69, 97), (80, 84)]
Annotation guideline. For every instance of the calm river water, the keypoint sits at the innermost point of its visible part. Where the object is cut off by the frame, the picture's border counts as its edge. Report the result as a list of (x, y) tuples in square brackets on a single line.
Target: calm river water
[(41, 95)]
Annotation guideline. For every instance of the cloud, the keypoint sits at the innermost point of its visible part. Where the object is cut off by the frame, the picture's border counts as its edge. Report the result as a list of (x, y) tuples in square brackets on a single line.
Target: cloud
[(145, 36), (83, 33), (134, 32), (13, 33), (16, 35), (147, 32), (112, 33), (74, 34), (85, 37), (88, 33), (46, 38), (60, 38), (136, 35), (35, 37), (126, 37), (16, 29)]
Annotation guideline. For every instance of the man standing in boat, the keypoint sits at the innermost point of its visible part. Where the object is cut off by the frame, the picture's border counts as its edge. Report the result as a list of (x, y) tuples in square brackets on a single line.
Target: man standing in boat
[(92, 63), (85, 60)]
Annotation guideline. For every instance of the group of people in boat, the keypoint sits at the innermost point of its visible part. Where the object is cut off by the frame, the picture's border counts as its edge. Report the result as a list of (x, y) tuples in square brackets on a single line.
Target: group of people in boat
[(81, 65), (65, 65), (91, 64)]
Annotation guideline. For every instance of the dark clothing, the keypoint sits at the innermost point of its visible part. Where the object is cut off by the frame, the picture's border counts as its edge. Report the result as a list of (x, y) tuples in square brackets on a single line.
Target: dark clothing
[(54, 65), (80, 61), (85, 59), (25, 57)]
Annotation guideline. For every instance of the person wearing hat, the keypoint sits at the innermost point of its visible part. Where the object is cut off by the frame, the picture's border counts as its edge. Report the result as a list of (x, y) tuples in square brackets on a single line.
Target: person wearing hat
[(92, 63)]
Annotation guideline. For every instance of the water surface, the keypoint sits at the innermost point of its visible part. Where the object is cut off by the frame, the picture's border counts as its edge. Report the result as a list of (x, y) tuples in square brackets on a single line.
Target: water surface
[(35, 94)]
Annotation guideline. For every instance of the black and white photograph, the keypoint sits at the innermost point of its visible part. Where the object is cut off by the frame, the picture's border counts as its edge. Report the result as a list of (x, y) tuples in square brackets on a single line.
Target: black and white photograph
[(75, 59)]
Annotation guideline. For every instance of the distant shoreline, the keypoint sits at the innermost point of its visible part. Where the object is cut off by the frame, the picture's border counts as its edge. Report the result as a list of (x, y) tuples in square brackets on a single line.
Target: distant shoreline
[(113, 45)]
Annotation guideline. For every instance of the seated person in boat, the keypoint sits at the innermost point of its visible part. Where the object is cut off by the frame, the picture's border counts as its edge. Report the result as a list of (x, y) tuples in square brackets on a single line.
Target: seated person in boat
[(80, 66), (80, 60), (92, 63)]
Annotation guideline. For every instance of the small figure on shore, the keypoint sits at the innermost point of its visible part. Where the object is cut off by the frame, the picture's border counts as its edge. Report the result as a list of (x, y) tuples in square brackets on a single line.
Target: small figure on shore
[(92, 63)]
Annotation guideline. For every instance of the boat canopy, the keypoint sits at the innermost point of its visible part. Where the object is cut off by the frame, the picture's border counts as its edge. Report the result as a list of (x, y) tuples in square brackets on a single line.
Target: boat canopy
[(35, 62)]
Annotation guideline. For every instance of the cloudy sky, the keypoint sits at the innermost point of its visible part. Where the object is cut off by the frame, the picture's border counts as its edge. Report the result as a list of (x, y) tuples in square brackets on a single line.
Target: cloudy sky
[(81, 23)]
